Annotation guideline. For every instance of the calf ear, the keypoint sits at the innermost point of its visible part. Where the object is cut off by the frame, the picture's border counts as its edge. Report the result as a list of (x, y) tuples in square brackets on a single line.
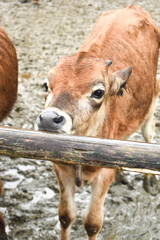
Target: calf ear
[(118, 81)]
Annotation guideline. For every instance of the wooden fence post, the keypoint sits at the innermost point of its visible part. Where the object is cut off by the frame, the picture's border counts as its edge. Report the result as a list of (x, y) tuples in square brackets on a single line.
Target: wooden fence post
[(126, 155)]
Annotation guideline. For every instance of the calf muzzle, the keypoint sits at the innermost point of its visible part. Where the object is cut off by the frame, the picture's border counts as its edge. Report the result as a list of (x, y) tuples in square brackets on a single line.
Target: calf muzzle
[(54, 120), (50, 121)]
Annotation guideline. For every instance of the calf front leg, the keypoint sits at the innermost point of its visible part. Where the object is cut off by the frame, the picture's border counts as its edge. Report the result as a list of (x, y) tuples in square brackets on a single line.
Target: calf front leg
[(67, 209), (93, 219)]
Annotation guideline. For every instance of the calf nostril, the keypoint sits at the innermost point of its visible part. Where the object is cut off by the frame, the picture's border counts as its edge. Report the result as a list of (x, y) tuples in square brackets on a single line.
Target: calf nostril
[(40, 117), (58, 119)]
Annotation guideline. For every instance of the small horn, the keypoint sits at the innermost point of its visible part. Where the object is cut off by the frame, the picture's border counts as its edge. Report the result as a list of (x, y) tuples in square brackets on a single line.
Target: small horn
[(108, 62)]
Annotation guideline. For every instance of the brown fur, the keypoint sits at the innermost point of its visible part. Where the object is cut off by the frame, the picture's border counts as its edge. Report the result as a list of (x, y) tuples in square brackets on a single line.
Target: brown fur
[(128, 37), (118, 41), (36, 2), (8, 75), (8, 89)]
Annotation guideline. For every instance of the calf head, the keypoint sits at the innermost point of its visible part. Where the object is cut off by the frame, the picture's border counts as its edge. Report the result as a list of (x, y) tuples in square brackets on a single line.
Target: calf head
[(80, 88)]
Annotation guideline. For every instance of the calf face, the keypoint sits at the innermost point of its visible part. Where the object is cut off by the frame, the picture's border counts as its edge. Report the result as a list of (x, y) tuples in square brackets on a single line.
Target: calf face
[(79, 90)]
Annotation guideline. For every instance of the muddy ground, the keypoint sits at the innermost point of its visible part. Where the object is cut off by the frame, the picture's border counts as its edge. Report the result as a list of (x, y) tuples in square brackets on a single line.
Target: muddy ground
[(29, 202)]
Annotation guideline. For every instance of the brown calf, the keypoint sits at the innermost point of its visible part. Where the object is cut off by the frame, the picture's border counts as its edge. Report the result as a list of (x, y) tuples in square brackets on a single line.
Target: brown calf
[(8, 89), (83, 101)]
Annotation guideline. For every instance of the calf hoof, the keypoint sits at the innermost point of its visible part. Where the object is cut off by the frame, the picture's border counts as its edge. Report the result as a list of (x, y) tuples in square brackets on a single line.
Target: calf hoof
[(65, 221), (91, 230), (150, 184)]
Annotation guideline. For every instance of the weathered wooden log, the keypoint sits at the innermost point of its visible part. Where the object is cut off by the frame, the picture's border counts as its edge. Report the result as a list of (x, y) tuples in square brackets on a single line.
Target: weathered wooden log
[(134, 156)]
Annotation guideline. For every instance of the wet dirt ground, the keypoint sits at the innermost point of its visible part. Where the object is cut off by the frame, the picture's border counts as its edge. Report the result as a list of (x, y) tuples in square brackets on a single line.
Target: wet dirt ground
[(29, 202)]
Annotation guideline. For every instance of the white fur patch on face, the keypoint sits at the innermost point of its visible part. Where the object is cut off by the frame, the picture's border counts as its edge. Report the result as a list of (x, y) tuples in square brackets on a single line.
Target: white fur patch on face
[(89, 121), (84, 105), (48, 100), (96, 121), (99, 86)]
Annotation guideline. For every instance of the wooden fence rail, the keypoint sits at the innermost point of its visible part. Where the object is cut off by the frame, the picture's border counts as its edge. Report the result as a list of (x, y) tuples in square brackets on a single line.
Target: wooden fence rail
[(126, 155)]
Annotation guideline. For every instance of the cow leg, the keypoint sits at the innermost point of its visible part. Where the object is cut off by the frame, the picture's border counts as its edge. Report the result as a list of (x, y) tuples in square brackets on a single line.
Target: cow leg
[(93, 218), (3, 235), (67, 208), (150, 183), (148, 127)]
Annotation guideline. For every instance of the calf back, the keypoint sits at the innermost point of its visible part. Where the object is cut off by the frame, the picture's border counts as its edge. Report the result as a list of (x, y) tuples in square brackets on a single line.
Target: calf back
[(128, 37)]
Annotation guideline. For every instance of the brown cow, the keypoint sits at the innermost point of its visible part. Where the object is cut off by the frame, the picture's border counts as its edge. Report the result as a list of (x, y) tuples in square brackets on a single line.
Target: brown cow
[(83, 101), (9, 75), (8, 89)]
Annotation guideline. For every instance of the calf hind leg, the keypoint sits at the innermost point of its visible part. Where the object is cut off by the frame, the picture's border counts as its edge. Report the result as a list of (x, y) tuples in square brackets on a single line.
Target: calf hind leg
[(148, 127), (150, 183)]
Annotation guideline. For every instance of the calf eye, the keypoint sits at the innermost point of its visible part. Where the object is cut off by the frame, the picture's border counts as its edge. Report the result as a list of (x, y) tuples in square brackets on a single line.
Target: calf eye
[(45, 85), (99, 93)]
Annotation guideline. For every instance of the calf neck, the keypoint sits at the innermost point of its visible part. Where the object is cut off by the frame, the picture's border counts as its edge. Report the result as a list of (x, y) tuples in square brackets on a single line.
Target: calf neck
[(87, 97)]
